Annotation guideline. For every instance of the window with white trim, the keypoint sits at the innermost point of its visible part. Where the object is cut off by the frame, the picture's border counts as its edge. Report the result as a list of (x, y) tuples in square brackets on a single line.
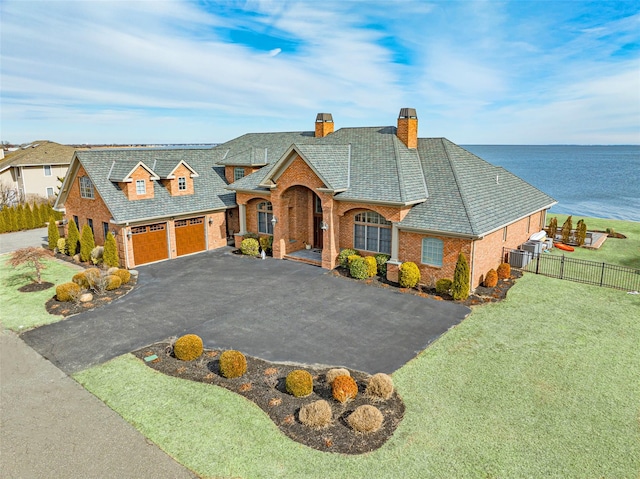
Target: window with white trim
[(265, 215), (182, 183), (238, 173), (50, 192), (371, 232), (47, 170), (141, 187), (86, 188), (432, 251)]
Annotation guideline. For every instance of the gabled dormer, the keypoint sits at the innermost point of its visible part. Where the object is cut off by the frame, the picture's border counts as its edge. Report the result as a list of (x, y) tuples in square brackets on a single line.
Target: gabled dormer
[(176, 177), (135, 179)]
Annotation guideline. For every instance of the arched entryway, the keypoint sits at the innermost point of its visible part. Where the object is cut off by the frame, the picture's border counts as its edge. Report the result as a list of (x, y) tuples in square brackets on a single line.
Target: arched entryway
[(304, 219)]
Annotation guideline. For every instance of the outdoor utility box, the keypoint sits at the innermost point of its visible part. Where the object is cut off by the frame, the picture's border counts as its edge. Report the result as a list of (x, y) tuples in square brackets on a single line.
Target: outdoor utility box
[(519, 258), (534, 247)]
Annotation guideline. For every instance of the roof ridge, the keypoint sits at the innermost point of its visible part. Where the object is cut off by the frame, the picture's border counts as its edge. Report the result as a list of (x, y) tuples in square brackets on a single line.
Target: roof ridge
[(399, 168), (460, 190)]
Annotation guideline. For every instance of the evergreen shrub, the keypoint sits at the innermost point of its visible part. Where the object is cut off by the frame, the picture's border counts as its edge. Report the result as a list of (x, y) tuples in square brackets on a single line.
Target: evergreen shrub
[(53, 234), (233, 364), (73, 238), (334, 373), (380, 386), (343, 256), (443, 286), (491, 279), (344, 388), (249, 246), (66, 292), (123, 274), (461, 278), (366, 419), (110, 253), (62, 245), (504, 271), (566, 230), (299, 383), (409, 275), (358, 267), (317, 414), (112, 282), (87, 243), (188, 347), (372, 266), (382, 259)]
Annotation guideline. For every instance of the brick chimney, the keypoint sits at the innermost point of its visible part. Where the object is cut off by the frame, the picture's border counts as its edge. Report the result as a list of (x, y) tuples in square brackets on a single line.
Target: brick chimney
[(324, 125), (408, 127)]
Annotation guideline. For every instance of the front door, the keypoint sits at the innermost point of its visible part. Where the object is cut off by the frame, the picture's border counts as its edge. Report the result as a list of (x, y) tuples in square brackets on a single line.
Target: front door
[(317, 222)]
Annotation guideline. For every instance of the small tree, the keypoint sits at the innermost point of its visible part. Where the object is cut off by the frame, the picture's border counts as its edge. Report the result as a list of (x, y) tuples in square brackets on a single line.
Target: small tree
[(553, 228), (28, 217), (20, 219), (110, 255), (461, 277), (581, 232), (54, 236), (566, 230), (3, 227), (38, 220), (12, 224), (32, 257), (73, 238), (87, 243)]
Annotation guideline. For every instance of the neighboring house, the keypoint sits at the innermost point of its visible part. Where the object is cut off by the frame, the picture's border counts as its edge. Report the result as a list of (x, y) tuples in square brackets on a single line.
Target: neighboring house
[(374, 189), (33, 170)]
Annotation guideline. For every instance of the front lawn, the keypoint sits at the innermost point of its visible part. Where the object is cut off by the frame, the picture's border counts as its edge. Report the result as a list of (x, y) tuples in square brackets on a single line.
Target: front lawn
[(544, 384), (22, 311)]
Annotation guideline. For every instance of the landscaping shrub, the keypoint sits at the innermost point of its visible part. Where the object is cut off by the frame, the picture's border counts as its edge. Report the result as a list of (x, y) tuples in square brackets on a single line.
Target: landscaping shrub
[(73, 238), (87, 243), (62, 245), (409, 275), (112, 282), (28, 217), (249, 246), (81, 280), (188, 347), (251, 235), (365, 419), (334, 373), (443, 286), (358, 267), (32, 257), (504, 271), (581, 232), (491, 279), (344, 388), (53, 234), (380, 386), (233, 364), (317, 414), (97, 254), (299, 383), (20, 217), (266, 243), (372, 266), (552, 228), (123, 274), (93, 275), (460, 286), (110, 253), (67, 291), (382, 259), (343, 256), (566, 230)]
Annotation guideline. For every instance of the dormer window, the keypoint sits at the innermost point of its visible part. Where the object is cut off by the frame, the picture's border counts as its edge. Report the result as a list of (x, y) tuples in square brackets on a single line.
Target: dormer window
[(86, 188), (238, 173), (141, 187), (182, 183)]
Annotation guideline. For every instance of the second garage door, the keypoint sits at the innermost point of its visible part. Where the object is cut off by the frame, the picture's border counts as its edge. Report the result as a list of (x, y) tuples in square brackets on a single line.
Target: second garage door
[(149, 243), (190, 236)]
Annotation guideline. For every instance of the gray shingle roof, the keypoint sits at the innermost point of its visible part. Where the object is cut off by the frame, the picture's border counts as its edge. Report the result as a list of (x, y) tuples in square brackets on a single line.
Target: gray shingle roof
[(121, 169), (251, 149), (209, 185)]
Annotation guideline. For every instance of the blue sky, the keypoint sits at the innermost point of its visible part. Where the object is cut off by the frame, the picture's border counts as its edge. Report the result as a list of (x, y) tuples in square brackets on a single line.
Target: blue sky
[(488, 72)]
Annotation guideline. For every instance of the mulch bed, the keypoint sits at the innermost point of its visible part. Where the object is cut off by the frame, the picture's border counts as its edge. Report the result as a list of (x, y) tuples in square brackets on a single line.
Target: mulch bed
[(264, 384), (35, 287)]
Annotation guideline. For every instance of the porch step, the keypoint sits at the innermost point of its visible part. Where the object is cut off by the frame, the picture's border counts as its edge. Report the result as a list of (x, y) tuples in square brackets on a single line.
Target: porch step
[(303, 260)]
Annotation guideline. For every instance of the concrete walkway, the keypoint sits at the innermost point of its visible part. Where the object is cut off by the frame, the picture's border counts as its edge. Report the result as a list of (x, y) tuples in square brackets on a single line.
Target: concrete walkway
[(52, 427)]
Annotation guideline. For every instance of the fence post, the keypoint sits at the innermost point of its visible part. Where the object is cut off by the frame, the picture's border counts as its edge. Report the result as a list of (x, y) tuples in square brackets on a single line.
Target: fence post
[(537, 263), (602, 274), (562, 268)]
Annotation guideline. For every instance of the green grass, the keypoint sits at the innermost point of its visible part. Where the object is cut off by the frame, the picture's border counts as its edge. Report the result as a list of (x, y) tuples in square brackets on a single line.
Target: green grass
[(22, 311), (540, 385)]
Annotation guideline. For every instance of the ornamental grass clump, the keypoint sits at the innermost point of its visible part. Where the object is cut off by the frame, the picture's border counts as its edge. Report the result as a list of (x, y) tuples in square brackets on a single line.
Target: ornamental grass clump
[(343, 256), (409, 275), (317, 414), (380, 387), (358, 267), (299, 383), (188, 347), (233, 364), (344, 388), (67, 292), (372, 266), (504, 271), (491, 279), (365, 419), (250, 247), (332, 374)]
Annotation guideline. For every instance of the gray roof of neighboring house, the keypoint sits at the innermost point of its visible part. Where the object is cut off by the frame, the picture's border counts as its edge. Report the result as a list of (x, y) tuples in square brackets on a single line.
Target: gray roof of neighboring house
[(209, 185), (39, 153)]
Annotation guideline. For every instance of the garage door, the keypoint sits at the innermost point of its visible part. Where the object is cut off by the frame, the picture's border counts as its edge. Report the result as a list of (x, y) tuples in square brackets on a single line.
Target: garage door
[(149, 243), (190, 236)]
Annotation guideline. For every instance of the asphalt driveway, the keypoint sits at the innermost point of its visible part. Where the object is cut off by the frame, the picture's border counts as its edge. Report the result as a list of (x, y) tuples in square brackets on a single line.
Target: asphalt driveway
[(276, 310)]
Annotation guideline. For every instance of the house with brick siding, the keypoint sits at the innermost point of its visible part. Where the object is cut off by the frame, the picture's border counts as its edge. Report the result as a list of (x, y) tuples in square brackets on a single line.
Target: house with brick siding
[(373, 189)]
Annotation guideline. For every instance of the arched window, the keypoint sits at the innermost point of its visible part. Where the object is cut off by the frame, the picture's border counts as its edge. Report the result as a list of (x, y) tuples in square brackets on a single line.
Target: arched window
[(265, 215), (432, 251), (372, 232)]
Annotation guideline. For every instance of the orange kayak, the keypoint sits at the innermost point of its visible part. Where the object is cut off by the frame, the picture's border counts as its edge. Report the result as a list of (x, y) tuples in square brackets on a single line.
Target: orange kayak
[(563, 246)]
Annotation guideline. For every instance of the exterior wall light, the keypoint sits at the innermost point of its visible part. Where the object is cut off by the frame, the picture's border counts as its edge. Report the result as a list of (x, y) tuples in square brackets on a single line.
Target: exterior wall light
[(129, 235), (324, 226), (210, 221), (274, 221)]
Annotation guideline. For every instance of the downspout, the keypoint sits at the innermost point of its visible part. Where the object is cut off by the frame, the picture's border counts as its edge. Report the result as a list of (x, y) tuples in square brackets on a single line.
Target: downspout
[(126, 248), (473, 262)]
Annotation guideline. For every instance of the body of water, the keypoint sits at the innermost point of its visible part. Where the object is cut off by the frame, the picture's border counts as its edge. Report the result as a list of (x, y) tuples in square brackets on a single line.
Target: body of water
[(596, 181)]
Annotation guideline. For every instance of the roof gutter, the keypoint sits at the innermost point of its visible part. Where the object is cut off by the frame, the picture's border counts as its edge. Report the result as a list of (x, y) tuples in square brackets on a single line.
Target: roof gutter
[(379, 202), (518, 219), (438, 233)]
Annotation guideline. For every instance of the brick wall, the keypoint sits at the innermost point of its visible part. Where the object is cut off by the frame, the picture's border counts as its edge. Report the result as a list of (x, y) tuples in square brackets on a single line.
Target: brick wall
[(172, 185), (129, 188), (229, 171), (408, 131)]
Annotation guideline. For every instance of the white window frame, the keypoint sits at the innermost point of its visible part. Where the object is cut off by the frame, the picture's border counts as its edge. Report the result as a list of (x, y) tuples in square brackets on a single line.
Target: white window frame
[(432, 251), (182, 183), (47, 170), (368, 230), (86, 188), (50, 192), (265, 215), (141, 187), (238, 173)]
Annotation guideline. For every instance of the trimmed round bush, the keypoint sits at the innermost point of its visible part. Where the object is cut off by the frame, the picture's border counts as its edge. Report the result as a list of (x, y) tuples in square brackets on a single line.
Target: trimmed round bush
[(123, 274), (358, 267), (317, 414), (380, 386), (344, 388), (250, 246), (332, 374), (409, 275), (113, 282), (365, 419), (443, 286), (188, 347), (372, 266), (80, 279), (504, 271), (67, 291), (382, 259), (233, 364), (299, 383), (343, 256), (491, 279)]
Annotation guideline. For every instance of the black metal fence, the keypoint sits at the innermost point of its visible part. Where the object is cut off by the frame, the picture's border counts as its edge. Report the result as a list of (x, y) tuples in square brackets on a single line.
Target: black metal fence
[(572, 269)]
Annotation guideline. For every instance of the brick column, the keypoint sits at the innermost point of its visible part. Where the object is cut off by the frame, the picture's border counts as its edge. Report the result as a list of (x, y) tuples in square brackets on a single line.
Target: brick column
[(393, 265), (238, 237), (330, 236), (281, 228)]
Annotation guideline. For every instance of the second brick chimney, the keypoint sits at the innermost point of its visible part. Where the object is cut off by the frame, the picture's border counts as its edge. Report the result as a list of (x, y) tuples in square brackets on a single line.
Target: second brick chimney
[(407, 127), (324, 124)]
